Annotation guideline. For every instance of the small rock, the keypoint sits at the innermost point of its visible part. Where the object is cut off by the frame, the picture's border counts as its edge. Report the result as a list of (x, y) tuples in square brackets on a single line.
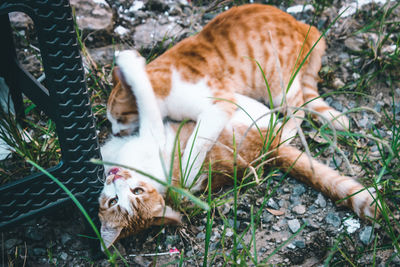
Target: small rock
[(263, 250), (333, 219), (283, 203), (295, 200), (201, 236), (298, 190), (395, 259), (313, 209), (34, 234), (39, 252), (215, 237), (356, 76), (276, 228), (267, 217), (63, 256), (299, 243), (366, 235), (150, 33), (65, 238), (120, 30), (294, 225), (363, 122), (20, 20), (291, 246), (338, 83), (311, 224), (229, 233), (10, 243), (351, 225), (321, 201), (92, 16), (272, 204), (337, 105), (299, 209)]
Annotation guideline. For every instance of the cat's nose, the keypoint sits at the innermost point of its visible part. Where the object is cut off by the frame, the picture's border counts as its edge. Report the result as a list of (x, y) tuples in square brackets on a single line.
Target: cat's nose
[(117, 134)]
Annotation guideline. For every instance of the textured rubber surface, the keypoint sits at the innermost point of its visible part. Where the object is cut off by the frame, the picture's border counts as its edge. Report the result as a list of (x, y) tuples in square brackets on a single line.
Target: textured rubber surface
[(66, 103)]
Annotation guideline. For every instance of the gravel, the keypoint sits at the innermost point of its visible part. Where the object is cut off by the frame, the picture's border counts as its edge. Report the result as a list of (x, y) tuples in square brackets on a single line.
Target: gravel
[(366, 236), (145, 24), (294, 225), (333, 219)]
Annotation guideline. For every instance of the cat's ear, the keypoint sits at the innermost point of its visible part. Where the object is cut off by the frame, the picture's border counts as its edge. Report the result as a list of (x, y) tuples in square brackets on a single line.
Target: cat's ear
[(109, 235), (119, 77), (167, 216), (115, 75)]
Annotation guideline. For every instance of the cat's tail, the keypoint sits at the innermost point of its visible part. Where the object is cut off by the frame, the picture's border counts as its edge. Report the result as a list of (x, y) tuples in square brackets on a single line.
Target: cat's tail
[(362, 200), (310, 80)]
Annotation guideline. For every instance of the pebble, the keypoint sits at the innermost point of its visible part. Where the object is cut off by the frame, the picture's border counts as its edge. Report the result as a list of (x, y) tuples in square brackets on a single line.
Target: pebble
[(283, 203), (294, 225), (267, 217), (299, 243), (321, 201), (295, 200), (313, 209), (338, 83), (365, 235), (215, 237), (351, 225), (63, 256), (201, 236), (298, 190), (364, 122), (299, 209), (10, 243), (231, 222), (311, 224), (263, 249), (333, 219), (39, 251), (272, 204), (229, 233), (276, 228), (34, 234), (65, 237), (337, 105)]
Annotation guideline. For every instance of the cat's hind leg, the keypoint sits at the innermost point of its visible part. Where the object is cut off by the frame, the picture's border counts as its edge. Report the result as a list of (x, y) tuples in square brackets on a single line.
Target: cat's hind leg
[(209, 125), (312, 99)]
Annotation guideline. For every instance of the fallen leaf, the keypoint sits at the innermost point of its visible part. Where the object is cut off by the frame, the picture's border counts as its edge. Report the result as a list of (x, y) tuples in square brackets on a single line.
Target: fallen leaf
[(275, 212)]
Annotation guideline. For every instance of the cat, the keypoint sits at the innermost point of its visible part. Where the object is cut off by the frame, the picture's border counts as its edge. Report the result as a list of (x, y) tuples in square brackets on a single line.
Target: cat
[(198, 78), (131, 202)]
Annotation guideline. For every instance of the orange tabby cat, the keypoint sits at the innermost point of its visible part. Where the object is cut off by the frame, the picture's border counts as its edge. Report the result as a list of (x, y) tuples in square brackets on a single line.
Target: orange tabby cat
[(131, 202), (197, 78)]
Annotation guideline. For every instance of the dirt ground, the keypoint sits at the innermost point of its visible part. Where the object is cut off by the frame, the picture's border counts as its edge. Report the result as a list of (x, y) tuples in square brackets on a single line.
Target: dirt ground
[(56, 240)]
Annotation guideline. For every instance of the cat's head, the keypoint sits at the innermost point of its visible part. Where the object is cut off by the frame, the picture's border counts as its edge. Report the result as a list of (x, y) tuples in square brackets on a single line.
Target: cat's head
[(122, 110), (128, 205)]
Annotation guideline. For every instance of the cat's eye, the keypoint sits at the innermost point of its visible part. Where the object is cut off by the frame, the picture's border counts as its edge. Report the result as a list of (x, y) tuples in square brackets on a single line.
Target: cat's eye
[(137, 190), (112, 202)]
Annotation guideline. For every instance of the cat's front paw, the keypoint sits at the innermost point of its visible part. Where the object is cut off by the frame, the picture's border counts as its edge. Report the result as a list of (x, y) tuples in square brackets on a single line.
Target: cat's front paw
[(130, 61)]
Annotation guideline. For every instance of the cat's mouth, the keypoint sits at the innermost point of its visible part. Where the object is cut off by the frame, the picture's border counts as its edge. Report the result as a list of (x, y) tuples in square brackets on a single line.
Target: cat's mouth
[(115, 172)]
